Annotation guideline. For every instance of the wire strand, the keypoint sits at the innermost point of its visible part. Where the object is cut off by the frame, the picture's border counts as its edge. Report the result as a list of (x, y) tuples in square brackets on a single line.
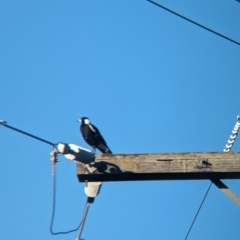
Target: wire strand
[(189, 20), (83, 220), (198, 211), (54, 204), (28, 134)]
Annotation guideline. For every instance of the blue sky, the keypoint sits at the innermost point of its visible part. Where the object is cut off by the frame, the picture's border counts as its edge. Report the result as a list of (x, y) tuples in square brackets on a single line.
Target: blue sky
[(150, 81)]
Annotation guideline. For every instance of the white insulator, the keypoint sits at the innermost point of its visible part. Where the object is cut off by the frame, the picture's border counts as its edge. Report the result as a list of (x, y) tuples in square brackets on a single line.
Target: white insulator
[(92, 189), (228, 145), (233, 136), (234, 132), (226, 149), (76, 153)]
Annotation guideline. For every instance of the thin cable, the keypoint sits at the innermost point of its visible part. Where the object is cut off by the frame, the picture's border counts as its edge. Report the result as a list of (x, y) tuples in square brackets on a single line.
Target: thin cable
[(83, 220), (54, 203), (25, 133), (198, 24), (198, 210)]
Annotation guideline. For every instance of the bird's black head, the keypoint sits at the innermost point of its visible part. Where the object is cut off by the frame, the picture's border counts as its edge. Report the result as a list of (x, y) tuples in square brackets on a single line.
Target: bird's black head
[(84, 120)]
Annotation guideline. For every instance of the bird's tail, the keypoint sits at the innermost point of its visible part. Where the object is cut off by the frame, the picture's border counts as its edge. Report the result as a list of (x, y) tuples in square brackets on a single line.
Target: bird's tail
[(104, 149)]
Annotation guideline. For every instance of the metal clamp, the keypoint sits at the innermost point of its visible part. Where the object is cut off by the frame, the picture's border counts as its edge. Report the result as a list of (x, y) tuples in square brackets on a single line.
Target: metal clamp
[(203, 163), (3, 122)]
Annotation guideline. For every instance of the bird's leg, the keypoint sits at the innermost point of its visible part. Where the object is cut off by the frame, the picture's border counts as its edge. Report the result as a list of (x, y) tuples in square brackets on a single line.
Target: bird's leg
[(93, 150)]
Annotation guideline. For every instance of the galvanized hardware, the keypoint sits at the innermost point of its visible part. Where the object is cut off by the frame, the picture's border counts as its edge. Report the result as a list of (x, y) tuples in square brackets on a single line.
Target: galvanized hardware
[(203, 163)]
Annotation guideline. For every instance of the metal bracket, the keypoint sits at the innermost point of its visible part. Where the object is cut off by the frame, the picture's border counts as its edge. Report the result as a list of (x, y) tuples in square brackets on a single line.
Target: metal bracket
[(92, 167), (3, 122), (203, 163), (54, 160), (228, 192)]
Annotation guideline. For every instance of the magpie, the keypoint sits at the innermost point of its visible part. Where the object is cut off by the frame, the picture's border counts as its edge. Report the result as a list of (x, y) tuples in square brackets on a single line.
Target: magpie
[(92, 136)]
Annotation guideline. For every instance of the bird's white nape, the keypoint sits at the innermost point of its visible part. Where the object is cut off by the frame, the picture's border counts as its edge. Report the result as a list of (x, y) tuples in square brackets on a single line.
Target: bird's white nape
[(86, 121)]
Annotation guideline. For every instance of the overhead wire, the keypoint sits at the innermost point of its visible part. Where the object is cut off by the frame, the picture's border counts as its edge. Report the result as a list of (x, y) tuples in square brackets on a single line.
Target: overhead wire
[(196, 215), (85, 212), (3, 123), (189, 20)]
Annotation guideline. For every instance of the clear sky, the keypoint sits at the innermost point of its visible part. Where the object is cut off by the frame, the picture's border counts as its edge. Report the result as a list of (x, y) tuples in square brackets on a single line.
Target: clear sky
[(150, 81)]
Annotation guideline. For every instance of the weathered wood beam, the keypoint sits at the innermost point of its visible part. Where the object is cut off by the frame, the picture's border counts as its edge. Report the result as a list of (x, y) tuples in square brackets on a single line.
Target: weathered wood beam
[(164, 166)]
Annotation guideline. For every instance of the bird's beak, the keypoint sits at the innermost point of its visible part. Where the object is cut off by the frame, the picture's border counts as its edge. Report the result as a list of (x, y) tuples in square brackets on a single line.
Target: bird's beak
[(79, 120)]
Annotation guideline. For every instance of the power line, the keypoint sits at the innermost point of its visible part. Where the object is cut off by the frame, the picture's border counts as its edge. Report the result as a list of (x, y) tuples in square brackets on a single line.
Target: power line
[(86, 208), (198, 24), (198, 211), (3, 123)]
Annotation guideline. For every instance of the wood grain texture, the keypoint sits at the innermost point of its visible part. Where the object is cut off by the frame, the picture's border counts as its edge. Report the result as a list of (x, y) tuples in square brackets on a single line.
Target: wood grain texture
[(164, 166)]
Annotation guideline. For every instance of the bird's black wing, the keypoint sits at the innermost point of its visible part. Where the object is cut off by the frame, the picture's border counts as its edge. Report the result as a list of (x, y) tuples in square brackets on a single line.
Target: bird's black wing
[(97, 133), (93, 128), (102, 145)]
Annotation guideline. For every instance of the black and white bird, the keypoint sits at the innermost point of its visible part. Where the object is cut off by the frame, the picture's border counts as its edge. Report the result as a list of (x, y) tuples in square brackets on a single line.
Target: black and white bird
[(92, 136)]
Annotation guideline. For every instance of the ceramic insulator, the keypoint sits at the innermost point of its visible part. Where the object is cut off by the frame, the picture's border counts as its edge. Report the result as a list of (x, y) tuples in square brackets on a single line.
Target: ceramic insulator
[(92, 189)]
